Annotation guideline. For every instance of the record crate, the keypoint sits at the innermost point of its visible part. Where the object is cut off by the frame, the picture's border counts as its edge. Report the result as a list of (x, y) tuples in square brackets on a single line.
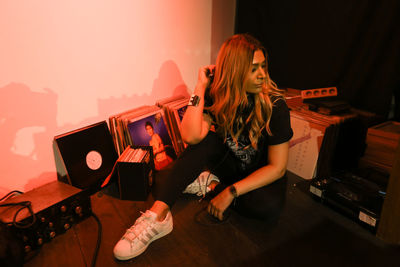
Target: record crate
[(135, 175), (381, 143)]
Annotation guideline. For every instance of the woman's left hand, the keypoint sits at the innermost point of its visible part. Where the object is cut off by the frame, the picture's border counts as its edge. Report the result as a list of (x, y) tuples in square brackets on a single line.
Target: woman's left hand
[(220, 203)]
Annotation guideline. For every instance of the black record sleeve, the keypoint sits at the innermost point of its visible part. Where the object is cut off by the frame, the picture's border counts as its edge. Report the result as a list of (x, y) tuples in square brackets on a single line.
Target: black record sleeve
[(88, 154)]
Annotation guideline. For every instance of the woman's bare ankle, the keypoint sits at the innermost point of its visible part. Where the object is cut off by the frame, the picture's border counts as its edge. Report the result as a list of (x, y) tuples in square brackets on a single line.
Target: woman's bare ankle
[(161, 209)]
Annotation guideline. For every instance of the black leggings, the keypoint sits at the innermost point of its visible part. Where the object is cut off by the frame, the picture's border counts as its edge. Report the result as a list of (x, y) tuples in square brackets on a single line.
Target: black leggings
[(211, 154)]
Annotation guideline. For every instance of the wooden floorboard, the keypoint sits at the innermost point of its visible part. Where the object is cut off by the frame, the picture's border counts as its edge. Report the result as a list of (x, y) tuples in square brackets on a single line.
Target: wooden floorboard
[(308, 233)]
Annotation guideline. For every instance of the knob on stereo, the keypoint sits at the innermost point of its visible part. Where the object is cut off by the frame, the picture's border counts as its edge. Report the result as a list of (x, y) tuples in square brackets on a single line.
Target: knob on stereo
[(52, 234), (78, 210)]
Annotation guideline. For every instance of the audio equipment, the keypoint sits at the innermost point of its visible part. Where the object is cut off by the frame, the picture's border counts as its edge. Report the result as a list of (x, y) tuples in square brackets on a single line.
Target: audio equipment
[(55, 207), (352, 194), (319, 92)]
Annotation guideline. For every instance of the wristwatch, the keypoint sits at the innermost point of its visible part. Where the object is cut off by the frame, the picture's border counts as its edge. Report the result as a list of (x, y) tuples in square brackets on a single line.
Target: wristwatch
[(233, 191), (194, 100)]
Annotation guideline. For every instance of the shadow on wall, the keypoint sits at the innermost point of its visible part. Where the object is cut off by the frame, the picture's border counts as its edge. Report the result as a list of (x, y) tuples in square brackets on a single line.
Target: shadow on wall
[(28, 125), (27, 120), (168, 83)]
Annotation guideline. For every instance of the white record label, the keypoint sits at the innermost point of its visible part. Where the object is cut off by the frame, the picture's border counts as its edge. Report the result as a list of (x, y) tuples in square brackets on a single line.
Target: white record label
[(94, 160)]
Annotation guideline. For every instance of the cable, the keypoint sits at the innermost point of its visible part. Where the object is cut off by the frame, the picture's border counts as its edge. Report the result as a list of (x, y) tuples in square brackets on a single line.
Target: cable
[(28, 205), (25, 205), (98, 243), (10, 194)]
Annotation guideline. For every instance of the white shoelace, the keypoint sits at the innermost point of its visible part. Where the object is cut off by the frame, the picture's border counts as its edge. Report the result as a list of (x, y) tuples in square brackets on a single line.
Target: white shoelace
[(139, 228)]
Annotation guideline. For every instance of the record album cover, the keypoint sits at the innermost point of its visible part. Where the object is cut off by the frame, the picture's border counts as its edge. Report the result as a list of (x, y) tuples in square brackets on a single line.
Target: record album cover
[(151, 130), (88, 154)]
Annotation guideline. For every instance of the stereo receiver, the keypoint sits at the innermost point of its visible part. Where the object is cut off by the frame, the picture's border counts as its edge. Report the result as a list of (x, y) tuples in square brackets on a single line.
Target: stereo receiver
[(56, 206)]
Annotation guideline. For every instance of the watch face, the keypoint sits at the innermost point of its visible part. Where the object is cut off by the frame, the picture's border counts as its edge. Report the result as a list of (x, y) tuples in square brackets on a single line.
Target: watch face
[(94, 160)]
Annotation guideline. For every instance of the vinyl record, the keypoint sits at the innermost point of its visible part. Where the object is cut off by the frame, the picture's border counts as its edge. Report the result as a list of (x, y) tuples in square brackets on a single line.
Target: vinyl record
[(88, 154)]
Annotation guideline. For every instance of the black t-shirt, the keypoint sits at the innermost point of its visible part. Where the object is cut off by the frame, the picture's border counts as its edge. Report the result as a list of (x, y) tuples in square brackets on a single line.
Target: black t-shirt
[(248, 157)]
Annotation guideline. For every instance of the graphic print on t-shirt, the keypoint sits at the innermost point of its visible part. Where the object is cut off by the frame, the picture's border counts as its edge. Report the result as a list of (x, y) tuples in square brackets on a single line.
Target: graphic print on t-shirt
[(242, 150)]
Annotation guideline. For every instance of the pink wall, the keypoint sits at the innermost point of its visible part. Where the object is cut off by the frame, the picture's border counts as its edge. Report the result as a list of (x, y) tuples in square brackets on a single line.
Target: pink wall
[(68, 64)]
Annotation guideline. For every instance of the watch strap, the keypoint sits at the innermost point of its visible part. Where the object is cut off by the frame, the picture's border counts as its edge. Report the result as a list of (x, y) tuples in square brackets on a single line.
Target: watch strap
[(194, 100), (233, 191)]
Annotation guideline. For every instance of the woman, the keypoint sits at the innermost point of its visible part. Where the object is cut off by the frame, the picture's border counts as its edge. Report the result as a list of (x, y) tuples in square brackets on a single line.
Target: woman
[(239, 131), (161, 159)]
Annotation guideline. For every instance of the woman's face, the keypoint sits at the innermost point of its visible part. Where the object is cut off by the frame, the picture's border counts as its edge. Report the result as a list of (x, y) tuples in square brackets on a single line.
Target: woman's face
[(149, 130), (255, 79)]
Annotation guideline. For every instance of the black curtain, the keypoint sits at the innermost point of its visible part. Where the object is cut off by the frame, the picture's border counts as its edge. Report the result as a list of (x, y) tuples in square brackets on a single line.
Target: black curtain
[(353, 45)]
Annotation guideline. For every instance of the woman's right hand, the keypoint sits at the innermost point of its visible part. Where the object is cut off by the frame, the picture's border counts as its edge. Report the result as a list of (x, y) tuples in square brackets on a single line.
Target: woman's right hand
[(195, 125), (203, 79)]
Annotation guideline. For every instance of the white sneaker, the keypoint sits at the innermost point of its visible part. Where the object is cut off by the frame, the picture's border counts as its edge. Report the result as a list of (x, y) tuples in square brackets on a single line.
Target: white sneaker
[(139, 236), (200, 185)]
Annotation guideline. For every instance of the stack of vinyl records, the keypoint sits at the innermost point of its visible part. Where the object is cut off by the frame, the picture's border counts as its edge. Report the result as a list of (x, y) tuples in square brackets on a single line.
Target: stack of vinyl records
[(318, 142), (135, 173), (157, 126), (119, 125), (174, 108), (382, 141)]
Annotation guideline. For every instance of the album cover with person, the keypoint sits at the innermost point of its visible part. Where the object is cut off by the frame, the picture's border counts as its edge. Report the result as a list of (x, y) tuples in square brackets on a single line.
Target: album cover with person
[(157, 124), (151, 129)]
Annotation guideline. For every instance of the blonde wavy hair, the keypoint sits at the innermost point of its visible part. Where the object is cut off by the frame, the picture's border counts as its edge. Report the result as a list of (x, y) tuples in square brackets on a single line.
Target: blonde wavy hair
[(234, 62)]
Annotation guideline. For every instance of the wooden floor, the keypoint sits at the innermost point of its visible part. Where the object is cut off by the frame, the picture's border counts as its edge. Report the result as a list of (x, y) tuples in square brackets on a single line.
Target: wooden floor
[(307, 234)]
